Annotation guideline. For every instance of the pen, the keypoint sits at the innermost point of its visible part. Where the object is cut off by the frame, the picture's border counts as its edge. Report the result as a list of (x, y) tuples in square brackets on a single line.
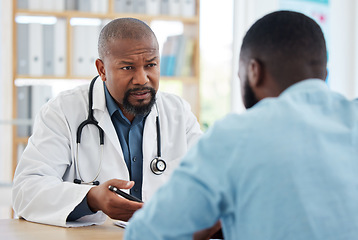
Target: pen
[(123, 194)]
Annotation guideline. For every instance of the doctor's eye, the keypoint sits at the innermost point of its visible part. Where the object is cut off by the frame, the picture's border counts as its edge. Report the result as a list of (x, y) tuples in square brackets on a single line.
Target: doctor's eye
[(127, 68), (152, 65)]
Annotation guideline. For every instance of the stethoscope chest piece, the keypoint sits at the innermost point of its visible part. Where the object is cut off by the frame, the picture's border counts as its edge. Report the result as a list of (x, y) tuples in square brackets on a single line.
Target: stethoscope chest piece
[(158, 166)]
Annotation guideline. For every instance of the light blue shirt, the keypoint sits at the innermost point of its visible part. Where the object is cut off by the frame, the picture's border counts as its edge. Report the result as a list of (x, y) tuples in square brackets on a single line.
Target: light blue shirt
[(285, 169)]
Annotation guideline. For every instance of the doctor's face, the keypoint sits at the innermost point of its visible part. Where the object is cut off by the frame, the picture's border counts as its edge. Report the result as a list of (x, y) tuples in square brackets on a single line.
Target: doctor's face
[(131, 73)]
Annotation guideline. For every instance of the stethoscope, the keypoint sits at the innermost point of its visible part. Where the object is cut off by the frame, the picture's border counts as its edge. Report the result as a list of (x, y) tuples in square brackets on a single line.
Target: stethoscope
[(157, 165)]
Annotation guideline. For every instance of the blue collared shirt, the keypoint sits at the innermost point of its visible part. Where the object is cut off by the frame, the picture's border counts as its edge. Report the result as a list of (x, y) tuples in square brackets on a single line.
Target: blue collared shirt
[(130, 135)]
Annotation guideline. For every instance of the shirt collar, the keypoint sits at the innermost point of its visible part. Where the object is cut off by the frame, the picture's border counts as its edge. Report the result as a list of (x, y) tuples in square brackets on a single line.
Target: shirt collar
[(112, 107)]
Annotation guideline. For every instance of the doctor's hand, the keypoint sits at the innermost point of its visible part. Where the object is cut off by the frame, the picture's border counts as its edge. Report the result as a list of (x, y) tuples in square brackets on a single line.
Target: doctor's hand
[(116, 207)]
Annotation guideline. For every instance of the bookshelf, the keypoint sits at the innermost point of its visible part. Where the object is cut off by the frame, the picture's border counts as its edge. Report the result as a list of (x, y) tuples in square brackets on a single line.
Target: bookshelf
[(25, 78)]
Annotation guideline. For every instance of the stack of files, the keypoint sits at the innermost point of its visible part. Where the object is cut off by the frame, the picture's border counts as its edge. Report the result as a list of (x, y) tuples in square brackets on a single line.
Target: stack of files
[(41, 49), (177, 56), (85, 50)]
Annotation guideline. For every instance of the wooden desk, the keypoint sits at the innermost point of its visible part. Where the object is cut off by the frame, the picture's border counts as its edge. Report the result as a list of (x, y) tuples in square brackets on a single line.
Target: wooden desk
[(19, 229)]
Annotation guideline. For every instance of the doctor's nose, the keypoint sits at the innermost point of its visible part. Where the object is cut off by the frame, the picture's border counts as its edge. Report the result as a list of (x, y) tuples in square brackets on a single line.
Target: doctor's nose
[(140, 77)]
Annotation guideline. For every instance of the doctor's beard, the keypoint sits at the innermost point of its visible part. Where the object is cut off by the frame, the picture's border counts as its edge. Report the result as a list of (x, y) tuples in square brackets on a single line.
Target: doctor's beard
[(140, 109)]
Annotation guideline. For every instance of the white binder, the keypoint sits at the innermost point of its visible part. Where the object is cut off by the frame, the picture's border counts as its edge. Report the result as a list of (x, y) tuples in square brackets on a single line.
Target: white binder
[(84, 5), (92, 33), (164, 7), (188, 8), (35, 5), (174, 7), (22, 49), (80, 51), (119, 6), (23, 109), (59, 5), (60, 47), (49, 48), (47, 5), (22, 4), (139, 6), (40, 94), (35, 49), (153, 7)]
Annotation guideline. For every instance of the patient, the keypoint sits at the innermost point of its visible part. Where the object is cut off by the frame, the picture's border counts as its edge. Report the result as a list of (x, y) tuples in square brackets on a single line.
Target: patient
[(285, 169)]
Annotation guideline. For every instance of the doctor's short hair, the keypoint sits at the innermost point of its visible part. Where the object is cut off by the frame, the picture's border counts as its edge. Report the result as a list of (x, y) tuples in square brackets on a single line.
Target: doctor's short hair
[(123, 28), (289, 45)]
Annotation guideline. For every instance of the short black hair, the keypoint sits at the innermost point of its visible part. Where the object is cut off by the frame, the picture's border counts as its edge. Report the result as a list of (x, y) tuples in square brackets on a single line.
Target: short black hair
[(290, 45), (122, 28)]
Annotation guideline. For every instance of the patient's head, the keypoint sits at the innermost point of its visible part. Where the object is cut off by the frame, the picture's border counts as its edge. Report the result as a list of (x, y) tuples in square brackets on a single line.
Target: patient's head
[(284, 46)]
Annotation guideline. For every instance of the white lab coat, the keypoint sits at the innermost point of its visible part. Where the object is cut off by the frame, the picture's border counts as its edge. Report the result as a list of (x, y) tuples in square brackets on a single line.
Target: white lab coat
[(43, 189)]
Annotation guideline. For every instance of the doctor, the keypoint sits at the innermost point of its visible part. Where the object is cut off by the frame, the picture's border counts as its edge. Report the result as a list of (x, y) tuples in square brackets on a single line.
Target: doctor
[(145, 134)]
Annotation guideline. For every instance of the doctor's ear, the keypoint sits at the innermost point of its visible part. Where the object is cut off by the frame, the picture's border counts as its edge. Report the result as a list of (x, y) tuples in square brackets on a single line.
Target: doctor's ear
[(100, 69)]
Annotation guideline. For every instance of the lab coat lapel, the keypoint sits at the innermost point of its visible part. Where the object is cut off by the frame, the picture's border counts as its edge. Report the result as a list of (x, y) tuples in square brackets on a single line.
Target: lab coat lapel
[(102, 116), (150, 137)]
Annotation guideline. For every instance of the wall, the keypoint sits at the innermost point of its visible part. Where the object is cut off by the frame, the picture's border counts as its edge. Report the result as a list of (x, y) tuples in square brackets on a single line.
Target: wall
[(343, 52), (343, 68)]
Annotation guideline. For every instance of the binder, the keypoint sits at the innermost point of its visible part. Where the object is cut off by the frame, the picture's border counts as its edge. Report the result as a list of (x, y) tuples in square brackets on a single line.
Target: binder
[(71, 5), (80, 51), (47, 5), (60, 47), (153, 7), (84, 6), (92, 33), (22, 4), (22, 49), (174, 7), (187, 68), (95, 6), (40, 94), (98, 6), (128, 6), (172, 56), (164, 7), (35, 49), (119, 6), (59, 5), (188, 8), (139, 6), (23, 109), (35, 5), (180, 54), (48, 49), (103, 6)]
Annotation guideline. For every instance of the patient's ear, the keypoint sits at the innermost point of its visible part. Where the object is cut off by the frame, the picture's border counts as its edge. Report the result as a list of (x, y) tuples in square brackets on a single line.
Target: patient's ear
[(255, 73)]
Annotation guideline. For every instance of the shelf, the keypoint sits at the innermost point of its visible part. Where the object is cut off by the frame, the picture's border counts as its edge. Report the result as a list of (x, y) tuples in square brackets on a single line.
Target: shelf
[(78, 14)]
